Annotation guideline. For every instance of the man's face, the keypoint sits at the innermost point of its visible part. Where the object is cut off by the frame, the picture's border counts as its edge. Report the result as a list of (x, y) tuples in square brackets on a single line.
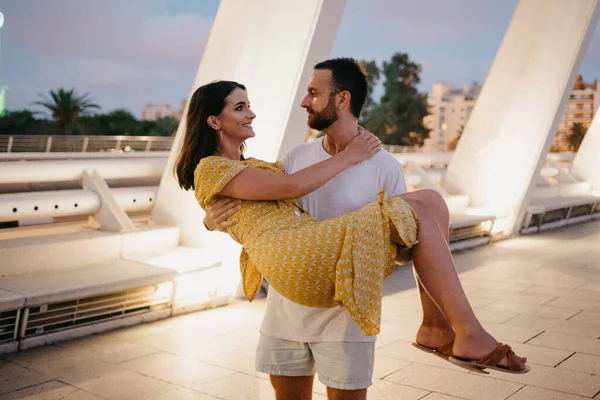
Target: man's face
[(319, 101)]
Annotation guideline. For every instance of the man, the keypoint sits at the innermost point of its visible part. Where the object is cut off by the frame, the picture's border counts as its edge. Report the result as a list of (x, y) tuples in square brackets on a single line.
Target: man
[(297, 340)]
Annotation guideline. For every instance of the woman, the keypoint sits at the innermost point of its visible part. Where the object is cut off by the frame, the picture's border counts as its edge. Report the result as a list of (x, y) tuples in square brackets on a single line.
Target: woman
[(340, 260)]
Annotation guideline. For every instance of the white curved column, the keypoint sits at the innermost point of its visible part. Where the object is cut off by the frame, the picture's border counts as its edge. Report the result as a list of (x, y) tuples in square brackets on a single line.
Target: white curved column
[(270, 46), (509, 133), (586, 165)]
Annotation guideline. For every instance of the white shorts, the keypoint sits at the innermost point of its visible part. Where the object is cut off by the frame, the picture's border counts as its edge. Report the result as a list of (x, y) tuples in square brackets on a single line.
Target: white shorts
[(340, 365)]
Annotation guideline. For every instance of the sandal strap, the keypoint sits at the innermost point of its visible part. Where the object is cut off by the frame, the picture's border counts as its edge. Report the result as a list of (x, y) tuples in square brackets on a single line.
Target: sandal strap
[(514, 362), (497, 355)]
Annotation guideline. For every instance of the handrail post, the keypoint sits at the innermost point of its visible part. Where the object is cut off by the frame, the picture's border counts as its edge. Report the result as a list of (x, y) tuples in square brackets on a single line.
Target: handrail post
[(10, 143), (48, 144), (86, 141)]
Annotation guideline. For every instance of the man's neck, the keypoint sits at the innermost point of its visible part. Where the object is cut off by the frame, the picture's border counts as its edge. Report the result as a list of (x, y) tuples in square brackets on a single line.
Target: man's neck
[(339, 134)]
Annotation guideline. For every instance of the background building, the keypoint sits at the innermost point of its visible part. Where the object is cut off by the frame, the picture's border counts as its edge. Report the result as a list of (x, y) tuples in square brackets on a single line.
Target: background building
[(449, 110), (154, 111), (582, 105)]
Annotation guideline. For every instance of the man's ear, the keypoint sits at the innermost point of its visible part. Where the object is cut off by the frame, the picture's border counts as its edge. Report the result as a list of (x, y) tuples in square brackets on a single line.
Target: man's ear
[(344, 100), (213, 122)]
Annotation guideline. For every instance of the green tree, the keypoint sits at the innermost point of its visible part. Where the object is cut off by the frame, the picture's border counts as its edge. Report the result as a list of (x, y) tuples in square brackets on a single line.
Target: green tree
[(373, 75), (402, 108), (576, 135), (66, 107), (23, 122), (123, 123), (115, 123), (407, 107), (165, 126)]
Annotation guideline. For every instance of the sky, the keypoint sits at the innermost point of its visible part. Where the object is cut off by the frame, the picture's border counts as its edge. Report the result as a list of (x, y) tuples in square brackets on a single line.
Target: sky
[(128, 53)]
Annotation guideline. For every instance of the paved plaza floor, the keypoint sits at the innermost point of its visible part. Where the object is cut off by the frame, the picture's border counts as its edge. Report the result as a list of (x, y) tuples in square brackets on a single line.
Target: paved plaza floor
[(540, 294)]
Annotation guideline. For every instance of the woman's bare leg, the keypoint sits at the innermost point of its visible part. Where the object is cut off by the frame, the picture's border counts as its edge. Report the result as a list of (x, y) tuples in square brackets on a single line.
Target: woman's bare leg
[(435, 330), (436, 272)]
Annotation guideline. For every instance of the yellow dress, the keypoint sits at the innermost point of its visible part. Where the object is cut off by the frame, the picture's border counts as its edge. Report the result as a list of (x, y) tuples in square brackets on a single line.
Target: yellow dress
[(338, 261)]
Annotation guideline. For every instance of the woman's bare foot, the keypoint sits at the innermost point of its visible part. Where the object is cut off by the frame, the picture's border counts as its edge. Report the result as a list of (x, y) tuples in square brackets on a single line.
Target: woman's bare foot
[(434, 337)]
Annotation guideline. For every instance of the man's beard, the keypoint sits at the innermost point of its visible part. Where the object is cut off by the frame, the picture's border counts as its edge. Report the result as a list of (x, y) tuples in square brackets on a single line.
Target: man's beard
[(324, 119)]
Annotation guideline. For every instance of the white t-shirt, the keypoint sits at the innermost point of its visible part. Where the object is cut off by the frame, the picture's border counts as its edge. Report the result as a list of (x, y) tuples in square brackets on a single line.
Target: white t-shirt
[(347, 192)]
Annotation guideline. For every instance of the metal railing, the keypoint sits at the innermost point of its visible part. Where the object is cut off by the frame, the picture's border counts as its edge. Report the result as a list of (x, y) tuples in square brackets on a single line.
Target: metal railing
[(92, 144), (83, 144), (125, 144), (390, 148)]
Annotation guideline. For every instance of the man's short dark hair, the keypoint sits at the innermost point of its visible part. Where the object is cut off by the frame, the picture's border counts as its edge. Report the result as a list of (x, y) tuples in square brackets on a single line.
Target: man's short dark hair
[(348, 75)]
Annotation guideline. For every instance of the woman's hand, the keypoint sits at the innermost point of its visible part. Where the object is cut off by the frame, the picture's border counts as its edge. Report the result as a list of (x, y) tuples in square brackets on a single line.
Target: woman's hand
[(362, 146)]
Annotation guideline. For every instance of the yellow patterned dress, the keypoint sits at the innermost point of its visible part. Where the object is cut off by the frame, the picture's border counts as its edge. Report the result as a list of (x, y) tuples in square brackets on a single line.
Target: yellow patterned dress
[(338, 261)]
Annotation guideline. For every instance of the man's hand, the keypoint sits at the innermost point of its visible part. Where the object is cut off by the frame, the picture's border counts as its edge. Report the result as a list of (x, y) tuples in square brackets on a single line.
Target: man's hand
[(404, 255), (219, 211)]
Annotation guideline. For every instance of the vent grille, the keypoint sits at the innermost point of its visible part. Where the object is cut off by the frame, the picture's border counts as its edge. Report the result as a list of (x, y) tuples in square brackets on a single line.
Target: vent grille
[(554, 215), (8, 325), (578, 211), (468, 232), (535, 221), (540, 219), (68, 314)]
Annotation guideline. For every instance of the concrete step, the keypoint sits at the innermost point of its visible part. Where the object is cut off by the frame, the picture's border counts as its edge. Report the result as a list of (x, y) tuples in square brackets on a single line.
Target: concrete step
[(70, 250), (55, 286), (562, 201), (10, 305), (550, 213), (457, 204), (10, 301), (574, 189), (468, 231), (204, 278), (63, 304)]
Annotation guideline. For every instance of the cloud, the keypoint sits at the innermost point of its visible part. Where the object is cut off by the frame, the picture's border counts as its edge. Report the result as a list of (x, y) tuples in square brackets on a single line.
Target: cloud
[(128, 52), (111, 84), (123, 31), (125, 53), (431, 21), (94, 73), (456, 41)]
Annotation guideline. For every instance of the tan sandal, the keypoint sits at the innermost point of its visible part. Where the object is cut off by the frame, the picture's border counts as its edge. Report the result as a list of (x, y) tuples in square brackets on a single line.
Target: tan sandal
[(492, 360), (445, 352)]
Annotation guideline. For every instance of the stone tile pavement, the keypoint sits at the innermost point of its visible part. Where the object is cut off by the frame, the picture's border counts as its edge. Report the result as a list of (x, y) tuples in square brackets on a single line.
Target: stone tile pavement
[(540, 294)]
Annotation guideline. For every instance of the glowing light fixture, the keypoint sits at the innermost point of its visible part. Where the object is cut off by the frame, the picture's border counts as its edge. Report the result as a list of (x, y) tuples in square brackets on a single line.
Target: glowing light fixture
[(501, 225), (487, 225), (163, 291)]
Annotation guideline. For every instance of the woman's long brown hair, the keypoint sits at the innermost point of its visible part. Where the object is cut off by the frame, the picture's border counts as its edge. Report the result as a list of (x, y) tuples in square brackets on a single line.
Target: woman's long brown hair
[(200, 139)]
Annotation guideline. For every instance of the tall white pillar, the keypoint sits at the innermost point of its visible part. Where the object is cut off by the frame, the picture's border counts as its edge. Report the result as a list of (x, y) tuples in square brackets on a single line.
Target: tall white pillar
[(586, 165), (509, 133), (269, 46)]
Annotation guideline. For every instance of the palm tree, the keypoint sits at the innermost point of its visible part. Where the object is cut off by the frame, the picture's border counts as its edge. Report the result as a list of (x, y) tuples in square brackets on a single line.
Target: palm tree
[(66, 106), (575, 137)]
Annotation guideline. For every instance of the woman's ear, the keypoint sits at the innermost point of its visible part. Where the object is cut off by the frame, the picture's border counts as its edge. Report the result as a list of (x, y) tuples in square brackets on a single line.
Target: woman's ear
[(213, 122)]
